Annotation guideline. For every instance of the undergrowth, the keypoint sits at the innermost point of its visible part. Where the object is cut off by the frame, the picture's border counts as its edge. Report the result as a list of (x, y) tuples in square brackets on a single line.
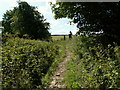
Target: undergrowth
[(93, 66), (25, 62)]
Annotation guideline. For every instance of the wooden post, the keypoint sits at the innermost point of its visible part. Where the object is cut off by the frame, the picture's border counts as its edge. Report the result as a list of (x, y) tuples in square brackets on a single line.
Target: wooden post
[(64, 37)]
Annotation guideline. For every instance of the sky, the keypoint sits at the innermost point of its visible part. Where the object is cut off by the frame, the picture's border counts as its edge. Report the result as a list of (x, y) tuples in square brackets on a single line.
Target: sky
[(59, 26)]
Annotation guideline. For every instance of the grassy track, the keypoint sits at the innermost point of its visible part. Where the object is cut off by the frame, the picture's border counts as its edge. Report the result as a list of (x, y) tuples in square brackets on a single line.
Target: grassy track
[(65, 45)]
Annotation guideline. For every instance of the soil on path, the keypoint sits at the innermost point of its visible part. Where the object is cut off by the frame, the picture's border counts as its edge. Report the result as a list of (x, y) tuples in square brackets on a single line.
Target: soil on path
[(57, 80)]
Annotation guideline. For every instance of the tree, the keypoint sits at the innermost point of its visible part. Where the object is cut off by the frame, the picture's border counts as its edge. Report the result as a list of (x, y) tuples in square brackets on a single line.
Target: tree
[(6, 22), (25, 19), (93, 17)]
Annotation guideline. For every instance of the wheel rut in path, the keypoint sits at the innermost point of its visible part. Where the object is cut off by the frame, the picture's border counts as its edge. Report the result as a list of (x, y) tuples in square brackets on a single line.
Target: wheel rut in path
[(58, 75)]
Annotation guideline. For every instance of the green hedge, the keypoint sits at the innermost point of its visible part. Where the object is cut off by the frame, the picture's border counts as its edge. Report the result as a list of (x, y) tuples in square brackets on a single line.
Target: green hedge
[(93, 66), (25, 62)]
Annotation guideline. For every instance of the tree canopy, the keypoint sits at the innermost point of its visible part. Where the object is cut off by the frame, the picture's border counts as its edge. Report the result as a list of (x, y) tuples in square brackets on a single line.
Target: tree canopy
[(25, 19), (92, 16)]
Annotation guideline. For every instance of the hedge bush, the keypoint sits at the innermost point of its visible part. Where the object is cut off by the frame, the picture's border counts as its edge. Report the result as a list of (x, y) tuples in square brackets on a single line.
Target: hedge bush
[(25, 62), (93, 66)]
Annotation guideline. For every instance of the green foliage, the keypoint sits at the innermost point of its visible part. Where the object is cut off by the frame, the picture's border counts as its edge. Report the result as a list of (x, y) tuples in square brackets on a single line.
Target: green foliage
[(25, 62), (25, 19), (6, 22), (93, 66), (91, 17)]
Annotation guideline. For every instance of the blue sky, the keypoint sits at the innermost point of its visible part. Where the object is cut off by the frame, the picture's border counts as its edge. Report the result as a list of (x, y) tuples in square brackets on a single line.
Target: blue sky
[(59, 26)]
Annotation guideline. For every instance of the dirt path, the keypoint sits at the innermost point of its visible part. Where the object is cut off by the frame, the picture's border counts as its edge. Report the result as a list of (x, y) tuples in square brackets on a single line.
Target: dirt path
[(58, 76)]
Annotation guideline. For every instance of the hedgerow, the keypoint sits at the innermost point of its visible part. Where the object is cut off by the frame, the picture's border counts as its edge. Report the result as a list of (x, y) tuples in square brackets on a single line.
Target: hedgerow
[(93, 66), (25, 62)]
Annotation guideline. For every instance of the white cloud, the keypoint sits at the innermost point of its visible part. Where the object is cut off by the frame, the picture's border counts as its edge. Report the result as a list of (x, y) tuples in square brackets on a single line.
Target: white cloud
[(54, 23), (32, 1), (61, 31), (45, 9), (42, 9), (9, 3)]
